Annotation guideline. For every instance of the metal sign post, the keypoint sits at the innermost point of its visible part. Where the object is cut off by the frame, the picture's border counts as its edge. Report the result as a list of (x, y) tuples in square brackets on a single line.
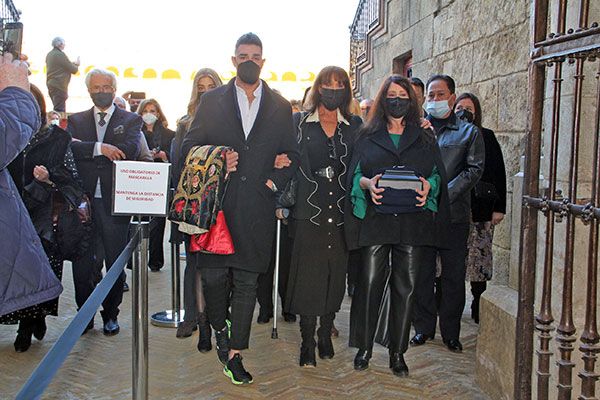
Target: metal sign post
[(140, 189), (139, 335), (173, 317)]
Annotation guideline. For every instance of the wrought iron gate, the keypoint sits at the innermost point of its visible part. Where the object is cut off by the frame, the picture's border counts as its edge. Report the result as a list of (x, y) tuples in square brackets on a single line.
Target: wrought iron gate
[(550, 53)]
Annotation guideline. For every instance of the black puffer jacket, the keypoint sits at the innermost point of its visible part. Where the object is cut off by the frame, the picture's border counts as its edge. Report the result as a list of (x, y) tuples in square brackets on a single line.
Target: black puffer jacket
[(463, 154)]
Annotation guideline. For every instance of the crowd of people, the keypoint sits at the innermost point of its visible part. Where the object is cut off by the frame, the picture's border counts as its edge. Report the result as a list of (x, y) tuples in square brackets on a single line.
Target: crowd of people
[(393, 199)]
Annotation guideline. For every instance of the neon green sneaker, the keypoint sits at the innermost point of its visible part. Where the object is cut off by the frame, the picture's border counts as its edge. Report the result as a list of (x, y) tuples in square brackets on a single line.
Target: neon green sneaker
[(235, 371)]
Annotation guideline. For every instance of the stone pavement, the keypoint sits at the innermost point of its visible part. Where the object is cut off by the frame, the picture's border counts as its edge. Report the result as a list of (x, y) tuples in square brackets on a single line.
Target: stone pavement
[(99, 367)]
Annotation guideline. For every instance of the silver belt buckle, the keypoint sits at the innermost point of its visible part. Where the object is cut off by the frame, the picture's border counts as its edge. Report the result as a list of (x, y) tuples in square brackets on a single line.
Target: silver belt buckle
[(329, 173)]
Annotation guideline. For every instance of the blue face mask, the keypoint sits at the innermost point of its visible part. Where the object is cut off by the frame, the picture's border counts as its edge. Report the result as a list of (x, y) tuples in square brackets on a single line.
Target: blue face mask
[(437, 109)]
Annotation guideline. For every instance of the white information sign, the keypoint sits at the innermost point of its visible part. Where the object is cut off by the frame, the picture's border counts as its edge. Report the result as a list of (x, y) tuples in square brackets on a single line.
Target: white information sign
[(140, 188)]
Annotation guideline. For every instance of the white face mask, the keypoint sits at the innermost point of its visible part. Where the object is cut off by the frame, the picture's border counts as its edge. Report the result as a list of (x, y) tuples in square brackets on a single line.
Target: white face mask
[(54, 122), (149, 118), (437, 109)]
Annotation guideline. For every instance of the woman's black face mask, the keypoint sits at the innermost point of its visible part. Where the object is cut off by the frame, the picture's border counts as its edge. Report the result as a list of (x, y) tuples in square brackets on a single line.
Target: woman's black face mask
[(397, 107), (332, 99), (465, 115)]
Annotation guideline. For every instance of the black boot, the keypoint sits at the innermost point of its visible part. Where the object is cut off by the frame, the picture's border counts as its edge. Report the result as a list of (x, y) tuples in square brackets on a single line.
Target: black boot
[(204, 334), (24, 333), (324, 333), (398, 365), (39, 328), (361, 360), (477, 289), (307, 349)]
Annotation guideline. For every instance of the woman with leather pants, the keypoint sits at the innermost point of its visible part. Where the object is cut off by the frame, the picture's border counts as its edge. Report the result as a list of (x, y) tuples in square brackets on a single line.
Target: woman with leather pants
[(404, 224)]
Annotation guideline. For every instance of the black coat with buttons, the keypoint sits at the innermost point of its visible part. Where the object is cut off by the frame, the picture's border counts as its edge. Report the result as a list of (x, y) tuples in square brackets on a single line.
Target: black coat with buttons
[(308, 185), (249, 204), (376, 152)]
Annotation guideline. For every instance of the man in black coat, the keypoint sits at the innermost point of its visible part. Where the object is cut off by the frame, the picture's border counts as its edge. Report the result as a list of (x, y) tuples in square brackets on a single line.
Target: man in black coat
[(256, 123), (101, 135), (463, 154)]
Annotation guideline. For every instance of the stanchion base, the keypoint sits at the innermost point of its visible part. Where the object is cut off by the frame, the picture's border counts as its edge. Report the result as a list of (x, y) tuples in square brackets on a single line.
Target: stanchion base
[(167, 319)]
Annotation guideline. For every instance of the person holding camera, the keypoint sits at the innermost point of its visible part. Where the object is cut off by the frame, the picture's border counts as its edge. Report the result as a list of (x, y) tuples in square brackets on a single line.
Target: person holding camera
[(50, 181), (407, 224), (159, 138), (22, 249)]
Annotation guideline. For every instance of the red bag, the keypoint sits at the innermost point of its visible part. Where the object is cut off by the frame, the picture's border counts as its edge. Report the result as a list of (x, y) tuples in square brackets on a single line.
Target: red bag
[(216, 241)]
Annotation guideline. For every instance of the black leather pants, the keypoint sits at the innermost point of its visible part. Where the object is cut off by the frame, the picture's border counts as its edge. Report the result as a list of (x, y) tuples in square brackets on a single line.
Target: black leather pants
[(371, 283)]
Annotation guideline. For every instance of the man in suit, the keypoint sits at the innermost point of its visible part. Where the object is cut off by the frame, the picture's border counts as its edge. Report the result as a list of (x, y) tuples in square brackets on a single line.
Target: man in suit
[(256, 123), (101, 135)]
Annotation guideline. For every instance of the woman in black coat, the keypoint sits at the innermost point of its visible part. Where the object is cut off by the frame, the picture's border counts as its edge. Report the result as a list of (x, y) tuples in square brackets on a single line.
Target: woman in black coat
[(317, 278), (49, 172), (409, 229), (194, 303), (488, 203), (159, 138)]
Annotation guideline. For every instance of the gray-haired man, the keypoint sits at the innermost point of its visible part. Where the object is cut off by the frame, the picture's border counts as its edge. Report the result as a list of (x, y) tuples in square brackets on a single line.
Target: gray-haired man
[(102, 134), (58, 75)]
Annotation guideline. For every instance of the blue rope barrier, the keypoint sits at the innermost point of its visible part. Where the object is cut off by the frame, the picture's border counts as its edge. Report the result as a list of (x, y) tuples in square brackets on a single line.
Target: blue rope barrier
[(50, 364)]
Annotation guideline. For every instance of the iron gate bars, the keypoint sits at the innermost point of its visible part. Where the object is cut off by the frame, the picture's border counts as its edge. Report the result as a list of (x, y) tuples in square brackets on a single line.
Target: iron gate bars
[(553, 50)]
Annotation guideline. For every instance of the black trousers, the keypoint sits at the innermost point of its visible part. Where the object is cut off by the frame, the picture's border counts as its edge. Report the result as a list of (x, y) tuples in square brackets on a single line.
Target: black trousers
[(156, 229), (190, 304), (354, 265), (111, 232), (242, 298), (370, 286), (264, 293), (452, 284), (59, 99), (308, 324)]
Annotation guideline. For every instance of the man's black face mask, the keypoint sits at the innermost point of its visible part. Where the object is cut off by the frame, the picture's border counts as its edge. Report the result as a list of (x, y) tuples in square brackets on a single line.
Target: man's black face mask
[(248, 72)]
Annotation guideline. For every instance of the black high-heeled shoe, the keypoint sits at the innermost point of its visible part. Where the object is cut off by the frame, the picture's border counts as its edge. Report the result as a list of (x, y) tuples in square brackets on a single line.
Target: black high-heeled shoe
[(23, 339), (39, 328), (361, 360), (398, 365)]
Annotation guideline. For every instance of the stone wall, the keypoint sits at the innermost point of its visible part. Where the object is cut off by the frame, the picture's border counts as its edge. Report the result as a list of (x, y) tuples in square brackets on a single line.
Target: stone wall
[(483, 45)]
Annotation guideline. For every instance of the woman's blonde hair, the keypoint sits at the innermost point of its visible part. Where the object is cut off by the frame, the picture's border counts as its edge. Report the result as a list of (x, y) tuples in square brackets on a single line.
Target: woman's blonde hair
[(195, 98)]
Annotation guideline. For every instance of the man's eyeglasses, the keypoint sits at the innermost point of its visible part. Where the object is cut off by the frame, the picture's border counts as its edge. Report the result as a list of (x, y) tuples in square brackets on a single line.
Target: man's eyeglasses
[(101, 89)]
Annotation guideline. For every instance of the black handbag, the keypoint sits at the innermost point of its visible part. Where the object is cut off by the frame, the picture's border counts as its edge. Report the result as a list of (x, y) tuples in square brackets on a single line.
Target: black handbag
[(72, 226), (485, 191), (400, 196), (286, 198)]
